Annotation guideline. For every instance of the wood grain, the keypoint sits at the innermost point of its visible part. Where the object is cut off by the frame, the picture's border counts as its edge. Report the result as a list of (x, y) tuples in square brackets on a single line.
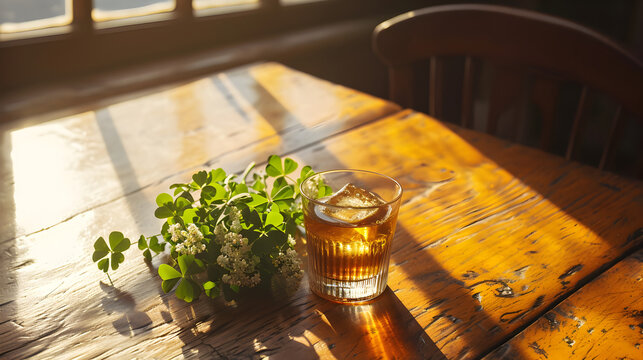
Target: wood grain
[(602, 320), (489, 235), (94, 157)]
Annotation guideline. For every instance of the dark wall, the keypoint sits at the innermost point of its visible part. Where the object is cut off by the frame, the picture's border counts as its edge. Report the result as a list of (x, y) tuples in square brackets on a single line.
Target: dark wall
[(353, 64)]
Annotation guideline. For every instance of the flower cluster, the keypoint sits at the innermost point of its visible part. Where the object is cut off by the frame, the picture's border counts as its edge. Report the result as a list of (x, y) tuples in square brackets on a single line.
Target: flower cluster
[(226, 232), (288, 266), (188, 242), (236, 256)]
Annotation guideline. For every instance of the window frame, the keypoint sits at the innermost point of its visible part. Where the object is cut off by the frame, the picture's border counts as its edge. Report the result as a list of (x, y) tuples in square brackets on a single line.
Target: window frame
[(85, 47)]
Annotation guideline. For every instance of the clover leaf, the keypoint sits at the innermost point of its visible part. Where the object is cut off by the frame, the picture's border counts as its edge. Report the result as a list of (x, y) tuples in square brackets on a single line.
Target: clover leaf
[(117, 244), (262, 208)]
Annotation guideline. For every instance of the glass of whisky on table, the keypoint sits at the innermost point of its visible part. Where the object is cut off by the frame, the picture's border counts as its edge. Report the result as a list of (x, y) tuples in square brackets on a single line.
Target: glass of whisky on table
[(350, 218)]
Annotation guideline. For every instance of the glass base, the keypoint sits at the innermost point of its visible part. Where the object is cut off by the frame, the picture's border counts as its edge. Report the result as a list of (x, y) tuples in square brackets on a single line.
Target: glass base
[(348, 291)]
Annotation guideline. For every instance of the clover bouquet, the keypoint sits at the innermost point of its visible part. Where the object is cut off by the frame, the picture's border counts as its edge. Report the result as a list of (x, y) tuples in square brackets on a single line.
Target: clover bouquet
[(223, 232)]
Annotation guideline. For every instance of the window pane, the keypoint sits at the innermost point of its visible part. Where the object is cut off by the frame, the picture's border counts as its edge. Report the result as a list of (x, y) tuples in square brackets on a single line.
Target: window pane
[(19, 15), (225, 5), (117, 9)]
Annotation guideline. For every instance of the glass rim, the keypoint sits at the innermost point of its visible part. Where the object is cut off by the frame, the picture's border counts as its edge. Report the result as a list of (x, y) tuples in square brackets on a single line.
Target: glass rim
[(315, 201)]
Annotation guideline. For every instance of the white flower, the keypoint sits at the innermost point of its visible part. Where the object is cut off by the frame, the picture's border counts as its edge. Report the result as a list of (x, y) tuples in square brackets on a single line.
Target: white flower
[(288, 267), (291, 240), (189, 242), (236, 256)]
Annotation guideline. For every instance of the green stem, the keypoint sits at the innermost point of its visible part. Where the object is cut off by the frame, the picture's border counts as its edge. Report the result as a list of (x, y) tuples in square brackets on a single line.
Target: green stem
[(110, 279)]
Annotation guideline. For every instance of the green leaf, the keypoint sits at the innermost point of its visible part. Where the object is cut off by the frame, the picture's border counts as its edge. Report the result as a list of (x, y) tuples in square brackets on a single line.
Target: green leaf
[(240, 189), (163, 199), (208, 191), (277, 238), (251, 217), (306, 172), (190, 265), (324, 191), (279, 183), (228, 293), (261, 247), (182, 203), (291, 227), (101, 245), (142, 244), (189, 215), (104, 265), (200, 178), (274, 217), (118, 242), (289, 166), (221, 192), (99, 254), (100, 249), (147, 255), (217, 175), (257, 200), (284, 205), (163, 212), (188, 196), (285, 192), (168, 285), (274, 167), (188, 290), (155, 246), (117, 258), (211, 289), (166, 272)]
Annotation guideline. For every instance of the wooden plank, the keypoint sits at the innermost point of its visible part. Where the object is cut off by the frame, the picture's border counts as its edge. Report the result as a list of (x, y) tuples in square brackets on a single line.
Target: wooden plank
[(490, 233), (55, 303), (97, 156), (602, 320), (477, 255)]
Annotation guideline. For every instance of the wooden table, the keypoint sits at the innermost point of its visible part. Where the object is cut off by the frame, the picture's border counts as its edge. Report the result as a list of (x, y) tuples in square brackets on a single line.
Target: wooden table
[(500, 251)]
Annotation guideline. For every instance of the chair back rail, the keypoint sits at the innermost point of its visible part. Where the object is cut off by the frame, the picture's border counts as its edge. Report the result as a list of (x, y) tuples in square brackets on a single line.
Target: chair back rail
[(515, 39)]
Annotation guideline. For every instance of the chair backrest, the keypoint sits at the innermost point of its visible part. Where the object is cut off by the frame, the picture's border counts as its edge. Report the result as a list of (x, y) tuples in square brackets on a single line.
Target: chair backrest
[(505, 35)]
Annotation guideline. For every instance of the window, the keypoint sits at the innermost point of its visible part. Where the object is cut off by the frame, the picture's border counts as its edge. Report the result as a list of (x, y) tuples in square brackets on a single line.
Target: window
[(77, 38), (23, 15), (118, 9)]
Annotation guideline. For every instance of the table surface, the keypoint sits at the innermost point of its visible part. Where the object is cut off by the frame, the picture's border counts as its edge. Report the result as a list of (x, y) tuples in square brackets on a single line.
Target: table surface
[(500, 250)]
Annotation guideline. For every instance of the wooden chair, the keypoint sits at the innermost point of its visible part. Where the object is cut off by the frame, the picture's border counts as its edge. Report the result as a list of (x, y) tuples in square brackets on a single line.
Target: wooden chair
[(553, 47)]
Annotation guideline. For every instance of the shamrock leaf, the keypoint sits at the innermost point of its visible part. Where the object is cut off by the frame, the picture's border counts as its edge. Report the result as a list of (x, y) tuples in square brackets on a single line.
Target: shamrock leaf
[(163, 199), (188, 290), (274, 217), (166, 272), (100, 249), (289, 166), (211, 289), (118, 242), (142, 244), (200, 178), (104, 265)]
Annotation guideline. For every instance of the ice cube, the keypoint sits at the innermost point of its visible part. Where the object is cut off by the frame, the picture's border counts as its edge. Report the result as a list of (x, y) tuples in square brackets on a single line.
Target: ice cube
[(351, 198)]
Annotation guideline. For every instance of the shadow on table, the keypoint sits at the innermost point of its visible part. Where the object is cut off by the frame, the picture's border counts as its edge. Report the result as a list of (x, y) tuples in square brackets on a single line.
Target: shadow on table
[(303, 326), (132, 321)]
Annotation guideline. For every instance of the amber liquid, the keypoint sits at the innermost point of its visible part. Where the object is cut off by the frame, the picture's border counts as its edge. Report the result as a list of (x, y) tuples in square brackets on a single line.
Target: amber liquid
[(341, 252)]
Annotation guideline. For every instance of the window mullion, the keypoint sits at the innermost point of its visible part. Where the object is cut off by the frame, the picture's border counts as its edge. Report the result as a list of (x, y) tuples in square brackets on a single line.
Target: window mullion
[(82, 15), (269, 4), (184, 9)]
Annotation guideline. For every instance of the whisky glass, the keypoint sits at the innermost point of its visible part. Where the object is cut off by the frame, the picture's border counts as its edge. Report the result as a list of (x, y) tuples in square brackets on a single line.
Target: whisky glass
[(350, 218)]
